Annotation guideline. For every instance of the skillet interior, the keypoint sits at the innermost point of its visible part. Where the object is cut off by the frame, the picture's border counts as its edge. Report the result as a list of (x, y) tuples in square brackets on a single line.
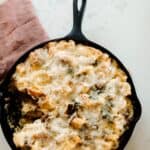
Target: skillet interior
[(78, 37)]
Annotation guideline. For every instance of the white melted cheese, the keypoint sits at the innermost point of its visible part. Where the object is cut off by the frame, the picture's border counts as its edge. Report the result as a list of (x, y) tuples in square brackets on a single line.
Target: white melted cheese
[(64, 75)]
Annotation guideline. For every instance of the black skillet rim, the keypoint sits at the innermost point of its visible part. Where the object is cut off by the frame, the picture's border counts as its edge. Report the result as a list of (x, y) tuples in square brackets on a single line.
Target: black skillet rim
[(77, 36)]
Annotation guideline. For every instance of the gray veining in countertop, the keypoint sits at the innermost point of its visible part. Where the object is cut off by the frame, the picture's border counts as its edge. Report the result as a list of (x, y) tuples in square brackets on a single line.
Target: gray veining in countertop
[(122, 26)]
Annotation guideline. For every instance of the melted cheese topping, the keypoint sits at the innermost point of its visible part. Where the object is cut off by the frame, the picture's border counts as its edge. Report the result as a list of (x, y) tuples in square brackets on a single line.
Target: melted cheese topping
[(79, 99)]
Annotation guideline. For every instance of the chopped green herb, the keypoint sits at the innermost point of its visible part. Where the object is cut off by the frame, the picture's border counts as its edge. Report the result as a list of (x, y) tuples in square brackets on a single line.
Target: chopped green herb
[(70, 71)]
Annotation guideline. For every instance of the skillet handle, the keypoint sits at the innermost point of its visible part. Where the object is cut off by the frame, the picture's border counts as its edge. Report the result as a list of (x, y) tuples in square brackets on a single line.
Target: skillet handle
[(76, 32)]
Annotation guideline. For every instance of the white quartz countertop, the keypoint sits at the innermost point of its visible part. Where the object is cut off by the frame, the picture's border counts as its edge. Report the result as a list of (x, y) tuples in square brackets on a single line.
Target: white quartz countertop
[(123, 27)]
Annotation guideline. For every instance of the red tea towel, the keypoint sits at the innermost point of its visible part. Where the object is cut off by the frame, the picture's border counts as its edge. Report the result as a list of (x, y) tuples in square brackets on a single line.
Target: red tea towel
[(20, 30)]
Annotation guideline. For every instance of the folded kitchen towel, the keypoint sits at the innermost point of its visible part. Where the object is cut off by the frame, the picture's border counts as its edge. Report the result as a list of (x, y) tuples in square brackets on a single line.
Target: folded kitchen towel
[(20, 30)]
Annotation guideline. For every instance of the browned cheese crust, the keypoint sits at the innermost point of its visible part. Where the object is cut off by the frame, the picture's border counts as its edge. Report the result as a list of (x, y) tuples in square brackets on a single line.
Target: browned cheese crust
[(79, 99)]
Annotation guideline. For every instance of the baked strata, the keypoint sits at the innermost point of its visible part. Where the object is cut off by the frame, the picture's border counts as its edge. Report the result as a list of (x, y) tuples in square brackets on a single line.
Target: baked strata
[(77, 98)]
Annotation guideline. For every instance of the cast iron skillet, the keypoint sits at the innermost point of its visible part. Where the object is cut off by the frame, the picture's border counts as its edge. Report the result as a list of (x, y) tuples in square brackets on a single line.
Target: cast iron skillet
[(76, 35)]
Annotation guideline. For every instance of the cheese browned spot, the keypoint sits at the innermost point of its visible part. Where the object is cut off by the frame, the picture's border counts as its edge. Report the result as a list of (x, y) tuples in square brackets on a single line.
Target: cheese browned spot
[(81, 96)]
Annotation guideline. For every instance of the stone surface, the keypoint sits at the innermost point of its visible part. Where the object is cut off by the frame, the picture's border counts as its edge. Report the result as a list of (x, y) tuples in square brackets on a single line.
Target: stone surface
[(2, 1), (123, 27)]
